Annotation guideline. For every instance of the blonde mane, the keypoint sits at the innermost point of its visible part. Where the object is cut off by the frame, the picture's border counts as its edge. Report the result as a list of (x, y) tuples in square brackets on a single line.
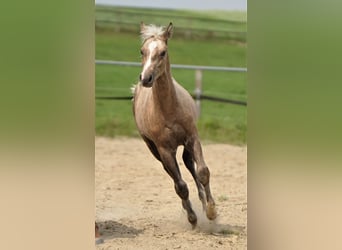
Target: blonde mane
[(151, 31)]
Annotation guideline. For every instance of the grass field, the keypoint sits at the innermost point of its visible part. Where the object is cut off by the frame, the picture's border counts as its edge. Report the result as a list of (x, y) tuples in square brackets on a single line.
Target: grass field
[(218, 122), (194, 24)]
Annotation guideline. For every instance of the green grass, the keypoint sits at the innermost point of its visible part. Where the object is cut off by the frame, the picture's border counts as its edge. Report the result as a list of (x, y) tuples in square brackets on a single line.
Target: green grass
[(239, 18), (219, 122), (199, 24)]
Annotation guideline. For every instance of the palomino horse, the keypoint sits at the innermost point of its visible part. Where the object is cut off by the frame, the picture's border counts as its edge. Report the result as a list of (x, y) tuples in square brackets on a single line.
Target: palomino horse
[(165, 115)]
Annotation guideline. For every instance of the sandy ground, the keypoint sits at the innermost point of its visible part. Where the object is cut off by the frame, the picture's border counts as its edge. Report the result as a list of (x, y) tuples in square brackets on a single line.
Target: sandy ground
[(137, 207)]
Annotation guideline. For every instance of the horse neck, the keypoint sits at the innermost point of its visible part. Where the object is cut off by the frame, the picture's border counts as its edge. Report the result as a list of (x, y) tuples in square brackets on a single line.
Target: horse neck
[(164, 91)]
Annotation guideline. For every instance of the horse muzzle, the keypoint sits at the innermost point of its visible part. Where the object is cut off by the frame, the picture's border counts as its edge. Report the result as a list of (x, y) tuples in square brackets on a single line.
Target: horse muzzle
[(147, 80)]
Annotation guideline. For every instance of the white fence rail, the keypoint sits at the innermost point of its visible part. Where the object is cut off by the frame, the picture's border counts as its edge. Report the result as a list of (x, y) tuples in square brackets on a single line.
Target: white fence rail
[(175, 66), (198, 76)]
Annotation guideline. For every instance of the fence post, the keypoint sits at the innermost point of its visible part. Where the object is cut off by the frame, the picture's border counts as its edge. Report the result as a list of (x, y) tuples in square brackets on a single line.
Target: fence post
[(198, 90)]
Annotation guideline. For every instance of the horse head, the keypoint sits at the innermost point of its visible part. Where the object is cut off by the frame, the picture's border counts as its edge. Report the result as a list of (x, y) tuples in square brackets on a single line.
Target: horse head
[(154, 52)]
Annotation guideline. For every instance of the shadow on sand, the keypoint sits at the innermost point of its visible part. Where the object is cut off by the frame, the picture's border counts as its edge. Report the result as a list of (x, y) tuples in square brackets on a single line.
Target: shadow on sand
[(112, 229)]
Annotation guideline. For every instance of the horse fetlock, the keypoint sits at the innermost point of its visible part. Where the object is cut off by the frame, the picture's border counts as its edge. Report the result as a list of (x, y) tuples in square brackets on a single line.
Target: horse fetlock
[(192, 218), (204, 175)]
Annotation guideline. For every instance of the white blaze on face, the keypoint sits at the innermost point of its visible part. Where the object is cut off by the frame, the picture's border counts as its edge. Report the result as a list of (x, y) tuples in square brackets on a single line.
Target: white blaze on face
[(151, 47)]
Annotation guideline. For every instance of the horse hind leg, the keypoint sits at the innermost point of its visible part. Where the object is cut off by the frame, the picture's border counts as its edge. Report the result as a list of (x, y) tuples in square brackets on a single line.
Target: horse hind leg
[(203, 174), (171, 167), (189, 163)]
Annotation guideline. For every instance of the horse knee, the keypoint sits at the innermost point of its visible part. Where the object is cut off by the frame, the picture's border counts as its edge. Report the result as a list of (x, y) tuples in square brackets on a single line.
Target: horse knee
[(182, 190), (204, 175)]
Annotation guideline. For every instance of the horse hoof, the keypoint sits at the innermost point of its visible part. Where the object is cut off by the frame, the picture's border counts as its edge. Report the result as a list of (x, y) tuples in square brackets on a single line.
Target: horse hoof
[(211, 212), (192, 218)]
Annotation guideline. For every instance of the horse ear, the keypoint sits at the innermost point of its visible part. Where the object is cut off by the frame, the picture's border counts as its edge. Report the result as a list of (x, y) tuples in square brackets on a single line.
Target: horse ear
[(142, 26), (168, 32)]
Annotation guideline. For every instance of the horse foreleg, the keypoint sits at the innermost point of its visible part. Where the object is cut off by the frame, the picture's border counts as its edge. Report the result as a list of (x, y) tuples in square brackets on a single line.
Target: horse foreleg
[(170, 165), (203, 174), (189, 163), (150, 144)]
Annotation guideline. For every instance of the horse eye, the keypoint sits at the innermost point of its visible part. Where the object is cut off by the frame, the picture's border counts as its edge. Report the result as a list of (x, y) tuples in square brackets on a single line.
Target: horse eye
[(163, 53)]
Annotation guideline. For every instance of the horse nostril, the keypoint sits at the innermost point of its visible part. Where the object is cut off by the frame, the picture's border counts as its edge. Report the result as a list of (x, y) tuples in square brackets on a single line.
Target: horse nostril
[(140, 77), (146, 80)]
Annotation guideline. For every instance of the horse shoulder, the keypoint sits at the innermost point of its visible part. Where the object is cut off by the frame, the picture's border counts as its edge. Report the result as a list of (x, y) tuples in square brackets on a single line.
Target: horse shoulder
[(186, 102)]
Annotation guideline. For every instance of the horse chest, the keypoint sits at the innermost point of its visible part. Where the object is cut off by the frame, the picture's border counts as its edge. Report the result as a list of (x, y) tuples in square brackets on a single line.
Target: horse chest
[(157, 127), (157, 121)]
